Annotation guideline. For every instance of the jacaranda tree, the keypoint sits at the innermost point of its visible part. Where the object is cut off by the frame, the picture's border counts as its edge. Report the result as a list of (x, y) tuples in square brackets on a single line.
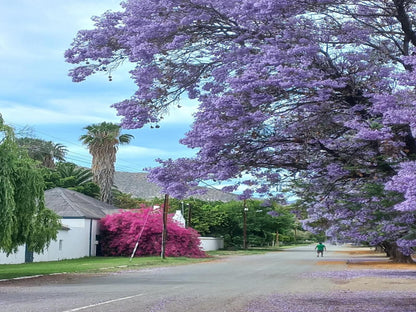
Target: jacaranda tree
[(317, 90)]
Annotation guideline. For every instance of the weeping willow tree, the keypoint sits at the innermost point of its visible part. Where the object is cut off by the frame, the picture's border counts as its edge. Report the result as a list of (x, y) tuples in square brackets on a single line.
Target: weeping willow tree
[(24, 219)]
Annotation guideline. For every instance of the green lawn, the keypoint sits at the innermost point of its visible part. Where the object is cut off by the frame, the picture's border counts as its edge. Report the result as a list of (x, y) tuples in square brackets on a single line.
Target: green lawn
[(108, 264), (89, 265)]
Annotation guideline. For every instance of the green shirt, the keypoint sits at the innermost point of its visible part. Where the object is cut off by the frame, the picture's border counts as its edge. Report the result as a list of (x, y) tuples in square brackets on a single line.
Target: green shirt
[(320, 247)]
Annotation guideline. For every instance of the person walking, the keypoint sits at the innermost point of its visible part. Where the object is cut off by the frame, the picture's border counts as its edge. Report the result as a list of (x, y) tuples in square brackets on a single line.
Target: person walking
[(320, 249)]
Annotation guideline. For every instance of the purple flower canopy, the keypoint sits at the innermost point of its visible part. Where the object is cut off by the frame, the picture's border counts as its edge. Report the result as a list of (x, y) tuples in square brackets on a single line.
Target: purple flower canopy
[(317, 95)]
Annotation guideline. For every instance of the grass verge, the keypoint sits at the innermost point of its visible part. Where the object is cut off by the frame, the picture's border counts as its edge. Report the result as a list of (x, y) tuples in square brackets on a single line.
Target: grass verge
[(89, 265), (111, 264)]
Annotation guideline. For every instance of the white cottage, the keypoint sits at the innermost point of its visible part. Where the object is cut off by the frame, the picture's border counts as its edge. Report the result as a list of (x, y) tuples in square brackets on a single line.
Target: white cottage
[(78, 236)]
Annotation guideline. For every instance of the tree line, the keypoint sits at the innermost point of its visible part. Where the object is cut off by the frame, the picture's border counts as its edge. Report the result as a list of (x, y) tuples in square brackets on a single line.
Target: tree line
[(30, 165), (266, 223), (264, 226)]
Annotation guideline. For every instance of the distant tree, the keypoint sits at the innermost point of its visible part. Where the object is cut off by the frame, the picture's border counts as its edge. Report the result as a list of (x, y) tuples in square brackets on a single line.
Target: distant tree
[(44, 151), (89, 188), (70, 176), (210, 218), (226, 220), (120, 232), (70, 170), (126, 201), (24, 219), (102, 141)]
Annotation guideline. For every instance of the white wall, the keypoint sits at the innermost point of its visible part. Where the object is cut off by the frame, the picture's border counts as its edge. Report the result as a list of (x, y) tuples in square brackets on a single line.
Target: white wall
[(77, 242), (72, 244), (15, 258), (211, 243)]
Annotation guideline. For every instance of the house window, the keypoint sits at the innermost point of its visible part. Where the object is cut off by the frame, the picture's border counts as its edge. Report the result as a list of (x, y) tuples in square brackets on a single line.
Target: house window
[(60, 244)]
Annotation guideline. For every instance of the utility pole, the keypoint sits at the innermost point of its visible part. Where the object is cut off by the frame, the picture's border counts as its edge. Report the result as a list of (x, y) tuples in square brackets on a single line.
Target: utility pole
[(165, 221), (245, 225), (189, 215)]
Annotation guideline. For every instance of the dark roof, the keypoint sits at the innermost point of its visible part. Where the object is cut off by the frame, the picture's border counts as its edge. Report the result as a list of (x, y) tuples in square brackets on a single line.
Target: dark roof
[(138, 186), (70, 204)]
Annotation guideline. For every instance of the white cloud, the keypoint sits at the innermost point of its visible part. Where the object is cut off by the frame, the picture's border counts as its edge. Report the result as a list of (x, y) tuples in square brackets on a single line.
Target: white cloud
[(129, 157), (36, 90), (89, 109), (182, 114), (130, 151), (15, 113), (40, 31), (134, 151), (33, 38)]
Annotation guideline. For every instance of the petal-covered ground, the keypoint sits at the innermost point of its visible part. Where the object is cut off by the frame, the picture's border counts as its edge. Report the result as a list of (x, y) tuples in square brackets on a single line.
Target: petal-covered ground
[(370, 283), (351, 301)]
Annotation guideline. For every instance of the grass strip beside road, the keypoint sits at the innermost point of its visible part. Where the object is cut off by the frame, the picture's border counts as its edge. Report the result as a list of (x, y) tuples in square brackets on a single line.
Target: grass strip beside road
[(111, 264), (88, 265)]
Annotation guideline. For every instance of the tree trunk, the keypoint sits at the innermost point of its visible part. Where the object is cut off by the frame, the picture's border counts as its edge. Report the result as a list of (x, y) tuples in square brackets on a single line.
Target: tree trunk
[(103, 170), (277, 238), (392, 251)]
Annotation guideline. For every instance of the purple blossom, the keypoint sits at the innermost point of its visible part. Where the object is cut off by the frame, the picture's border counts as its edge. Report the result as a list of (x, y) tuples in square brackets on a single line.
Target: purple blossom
[(285, 95), (366, 301), (407, 246)]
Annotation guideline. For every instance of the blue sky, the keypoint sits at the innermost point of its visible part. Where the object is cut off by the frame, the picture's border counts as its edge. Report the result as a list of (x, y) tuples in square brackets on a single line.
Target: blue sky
[(36, 92)]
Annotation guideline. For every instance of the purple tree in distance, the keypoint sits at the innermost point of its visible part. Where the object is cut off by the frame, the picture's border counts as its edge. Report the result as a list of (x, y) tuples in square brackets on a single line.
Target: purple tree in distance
[(320, 91)]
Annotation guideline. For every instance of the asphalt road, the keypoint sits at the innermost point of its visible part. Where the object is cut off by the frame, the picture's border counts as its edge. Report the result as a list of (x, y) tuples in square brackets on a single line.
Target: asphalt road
[(228, 284)]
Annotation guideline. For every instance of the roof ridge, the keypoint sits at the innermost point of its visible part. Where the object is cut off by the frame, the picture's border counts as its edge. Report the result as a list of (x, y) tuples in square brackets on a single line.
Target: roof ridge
[(68, 201)]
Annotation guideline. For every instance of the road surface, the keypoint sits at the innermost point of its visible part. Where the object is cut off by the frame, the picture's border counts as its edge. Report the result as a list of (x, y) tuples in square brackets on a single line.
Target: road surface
[(255, 283)]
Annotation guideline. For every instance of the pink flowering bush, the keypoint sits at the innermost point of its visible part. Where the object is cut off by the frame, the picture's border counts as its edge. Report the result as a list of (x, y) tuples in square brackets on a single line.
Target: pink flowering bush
[(121, 231)]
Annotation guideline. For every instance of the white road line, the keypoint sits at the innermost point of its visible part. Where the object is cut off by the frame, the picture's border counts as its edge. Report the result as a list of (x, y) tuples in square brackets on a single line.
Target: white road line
[(102, 303)]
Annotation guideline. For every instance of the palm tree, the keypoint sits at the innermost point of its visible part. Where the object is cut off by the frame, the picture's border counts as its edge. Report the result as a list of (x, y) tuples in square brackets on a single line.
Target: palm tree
[(102, 141), (78, 175), (44, 151), (69, 175)]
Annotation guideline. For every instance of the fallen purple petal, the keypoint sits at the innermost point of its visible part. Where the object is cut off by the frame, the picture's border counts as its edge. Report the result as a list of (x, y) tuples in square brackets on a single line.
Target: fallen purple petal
[(363, 301)]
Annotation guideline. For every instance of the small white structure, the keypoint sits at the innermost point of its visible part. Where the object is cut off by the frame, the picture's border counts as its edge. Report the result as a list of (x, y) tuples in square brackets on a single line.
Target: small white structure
[(78, 236), (178, 217), (211, 243)]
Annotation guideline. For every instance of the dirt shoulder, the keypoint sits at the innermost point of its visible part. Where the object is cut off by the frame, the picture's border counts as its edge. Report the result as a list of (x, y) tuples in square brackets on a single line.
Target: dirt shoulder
[(368, 270)]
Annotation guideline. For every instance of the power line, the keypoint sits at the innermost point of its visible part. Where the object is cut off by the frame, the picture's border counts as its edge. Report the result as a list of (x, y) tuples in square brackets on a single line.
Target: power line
[(212, 186)]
